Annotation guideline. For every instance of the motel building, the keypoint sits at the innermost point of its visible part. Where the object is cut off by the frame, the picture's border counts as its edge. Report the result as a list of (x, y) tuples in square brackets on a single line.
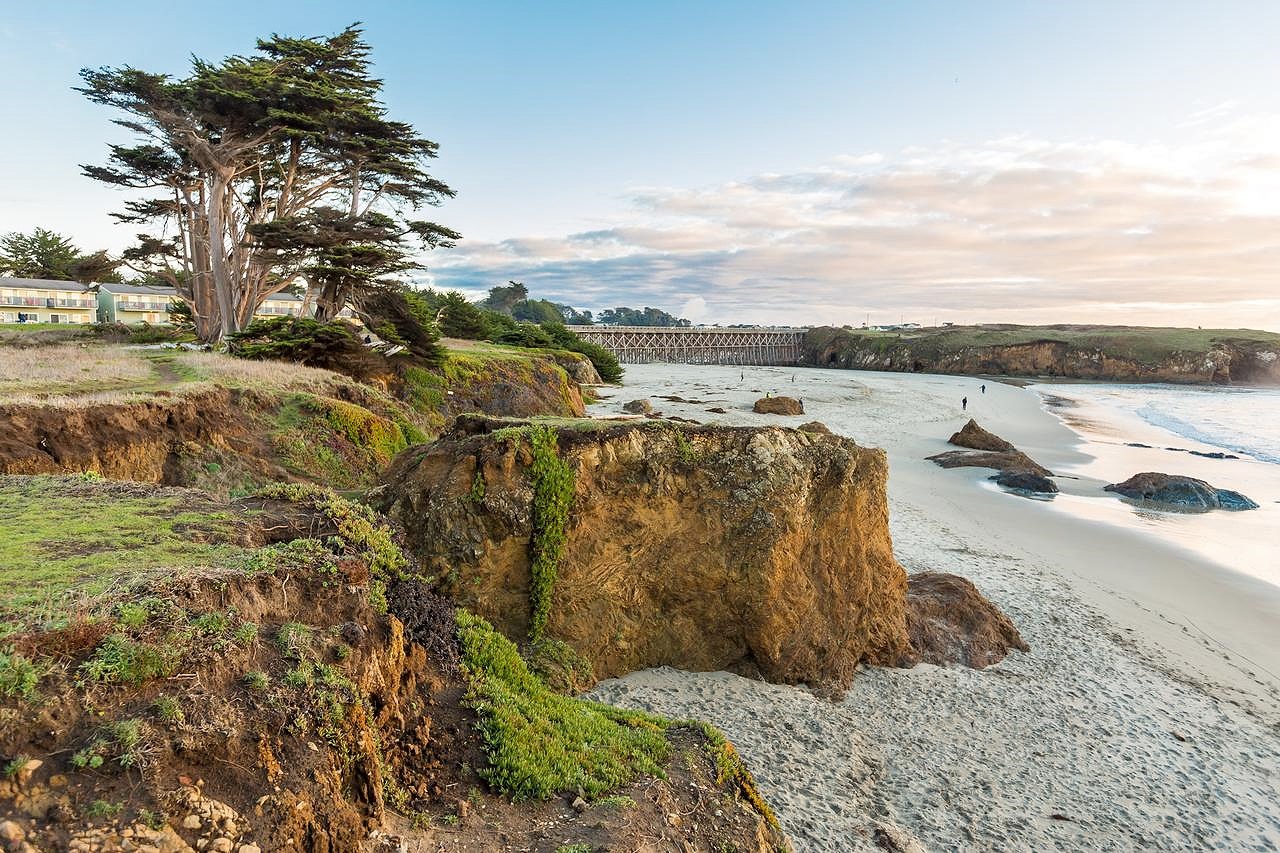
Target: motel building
[(131, 303), (34, 300)]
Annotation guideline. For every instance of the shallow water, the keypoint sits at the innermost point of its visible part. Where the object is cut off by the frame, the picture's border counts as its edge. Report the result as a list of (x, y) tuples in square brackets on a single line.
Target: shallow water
[(1174, 420)]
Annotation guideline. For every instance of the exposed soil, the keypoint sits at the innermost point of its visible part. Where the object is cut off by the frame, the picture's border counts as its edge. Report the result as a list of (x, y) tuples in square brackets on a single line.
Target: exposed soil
[(301, 766)]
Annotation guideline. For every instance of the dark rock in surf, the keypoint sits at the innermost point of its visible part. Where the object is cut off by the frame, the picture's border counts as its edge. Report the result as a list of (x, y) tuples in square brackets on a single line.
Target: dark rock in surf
[(1179, 492)]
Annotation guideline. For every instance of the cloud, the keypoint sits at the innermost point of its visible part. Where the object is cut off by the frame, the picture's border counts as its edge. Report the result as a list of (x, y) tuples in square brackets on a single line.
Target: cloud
[(1016, 229)]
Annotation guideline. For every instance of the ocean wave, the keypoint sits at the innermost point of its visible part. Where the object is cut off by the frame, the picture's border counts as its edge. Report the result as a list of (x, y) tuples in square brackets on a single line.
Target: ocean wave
[(1222, 421)]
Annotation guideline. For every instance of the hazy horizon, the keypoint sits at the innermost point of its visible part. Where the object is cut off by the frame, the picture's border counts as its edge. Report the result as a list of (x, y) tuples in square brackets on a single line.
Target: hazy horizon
[(826, 164)]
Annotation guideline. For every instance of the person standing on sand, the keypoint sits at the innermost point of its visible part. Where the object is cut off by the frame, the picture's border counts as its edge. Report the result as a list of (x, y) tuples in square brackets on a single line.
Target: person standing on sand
[(964, 404), (982, 388)]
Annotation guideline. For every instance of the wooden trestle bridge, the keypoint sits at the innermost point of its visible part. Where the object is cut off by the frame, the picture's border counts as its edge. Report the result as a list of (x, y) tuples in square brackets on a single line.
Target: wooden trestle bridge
[(697, 344)]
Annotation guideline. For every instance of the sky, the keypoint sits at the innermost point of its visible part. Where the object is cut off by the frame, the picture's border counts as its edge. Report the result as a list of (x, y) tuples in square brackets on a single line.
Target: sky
[(801, 163)]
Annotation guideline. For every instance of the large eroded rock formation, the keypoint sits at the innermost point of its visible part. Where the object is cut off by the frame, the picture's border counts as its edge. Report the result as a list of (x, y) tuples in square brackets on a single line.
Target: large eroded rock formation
[(707, 548)]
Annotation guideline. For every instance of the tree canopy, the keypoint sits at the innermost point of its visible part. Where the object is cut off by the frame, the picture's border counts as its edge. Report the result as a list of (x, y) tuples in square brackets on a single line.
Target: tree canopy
[(257, 170), (637, 317), (49, 255), (512, 300)]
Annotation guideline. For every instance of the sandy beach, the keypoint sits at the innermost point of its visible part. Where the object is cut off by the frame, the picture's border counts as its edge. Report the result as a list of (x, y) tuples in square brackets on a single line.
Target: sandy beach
[(1145, 716)]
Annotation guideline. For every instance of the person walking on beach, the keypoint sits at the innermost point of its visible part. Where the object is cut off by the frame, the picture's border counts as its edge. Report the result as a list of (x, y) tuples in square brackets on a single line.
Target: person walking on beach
[(982, 388), (964, 404)]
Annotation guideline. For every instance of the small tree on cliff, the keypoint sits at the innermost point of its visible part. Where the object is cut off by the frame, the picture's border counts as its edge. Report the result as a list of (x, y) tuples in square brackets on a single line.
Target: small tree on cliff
[(265, 168)]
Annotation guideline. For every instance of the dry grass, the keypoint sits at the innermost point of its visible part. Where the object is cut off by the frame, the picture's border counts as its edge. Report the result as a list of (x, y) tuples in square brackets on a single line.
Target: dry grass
[(69, 368), (265, 375), (76, 401)]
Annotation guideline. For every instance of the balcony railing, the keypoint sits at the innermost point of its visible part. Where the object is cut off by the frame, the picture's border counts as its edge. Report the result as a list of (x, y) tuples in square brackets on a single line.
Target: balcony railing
[(123, 305), (285, 311), (45, 302)]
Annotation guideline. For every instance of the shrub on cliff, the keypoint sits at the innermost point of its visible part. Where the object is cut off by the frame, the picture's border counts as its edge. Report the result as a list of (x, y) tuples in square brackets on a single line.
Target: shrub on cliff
[(301, 340), (399, 317), (605, 362), (524, 335)]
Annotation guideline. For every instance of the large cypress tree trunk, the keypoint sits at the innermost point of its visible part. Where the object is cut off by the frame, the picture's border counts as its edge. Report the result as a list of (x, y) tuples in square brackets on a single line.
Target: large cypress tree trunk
[(331, 298), (223, 287)]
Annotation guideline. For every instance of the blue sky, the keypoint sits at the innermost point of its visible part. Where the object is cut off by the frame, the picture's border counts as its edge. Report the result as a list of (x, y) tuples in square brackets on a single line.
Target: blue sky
[(804, 162)]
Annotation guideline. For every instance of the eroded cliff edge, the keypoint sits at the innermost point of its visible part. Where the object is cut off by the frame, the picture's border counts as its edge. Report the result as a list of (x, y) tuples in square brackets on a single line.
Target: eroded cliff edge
[(764, 550), (1111, 353)]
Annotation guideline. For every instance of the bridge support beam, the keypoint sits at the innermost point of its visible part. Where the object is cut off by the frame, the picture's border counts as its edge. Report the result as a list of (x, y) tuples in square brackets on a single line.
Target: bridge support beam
[(697, 344)]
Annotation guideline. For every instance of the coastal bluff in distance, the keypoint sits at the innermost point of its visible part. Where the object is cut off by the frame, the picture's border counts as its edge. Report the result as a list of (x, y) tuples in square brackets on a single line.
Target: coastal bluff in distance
[(761, 550), (1108, 353)]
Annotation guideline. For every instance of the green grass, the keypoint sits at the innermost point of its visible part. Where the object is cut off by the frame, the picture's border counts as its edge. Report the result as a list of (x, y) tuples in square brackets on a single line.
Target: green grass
[(101, 809), (19, 676), (120, 659), (257, 680), (360, 533), (293, 640), (169, 710), (15, 765), (616, 802), (541, 743), (65, 534), (124, 742)]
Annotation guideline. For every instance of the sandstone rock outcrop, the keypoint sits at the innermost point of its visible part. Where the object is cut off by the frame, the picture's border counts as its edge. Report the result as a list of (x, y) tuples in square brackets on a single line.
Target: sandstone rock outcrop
[(1178, 491), (975, 437), (815, 426), (579, 368), (701, 547), (778, 406), (950, 622), (983, 449), (637, 407)]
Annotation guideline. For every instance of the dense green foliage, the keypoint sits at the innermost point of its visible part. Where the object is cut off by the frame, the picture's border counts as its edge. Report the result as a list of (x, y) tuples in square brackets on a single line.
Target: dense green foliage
[(541, 743), (299, 168), (400, 316), (639, 317), (301, 340), (538, 311), (605, 362), (512, 300), (552, 498), (18, 676), (48, 255), (460, 318)]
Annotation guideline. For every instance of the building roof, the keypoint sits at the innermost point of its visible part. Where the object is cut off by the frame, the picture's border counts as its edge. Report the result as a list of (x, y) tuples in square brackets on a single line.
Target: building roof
[(284, 296), (42, 284), (139, 289)]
